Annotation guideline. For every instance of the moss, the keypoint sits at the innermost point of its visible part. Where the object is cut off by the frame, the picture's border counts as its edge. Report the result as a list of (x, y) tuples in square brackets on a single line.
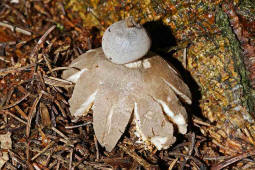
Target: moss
[(237, 55)]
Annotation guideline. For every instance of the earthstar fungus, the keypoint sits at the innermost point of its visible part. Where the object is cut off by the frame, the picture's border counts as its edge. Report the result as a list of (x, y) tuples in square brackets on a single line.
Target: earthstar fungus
[(147, 88)]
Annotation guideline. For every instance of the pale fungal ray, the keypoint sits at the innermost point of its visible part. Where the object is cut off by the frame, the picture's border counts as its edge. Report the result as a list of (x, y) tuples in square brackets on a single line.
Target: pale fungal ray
[(154, 128), (138, 124), (160, 142), (111, 114), (84, 108), (179, 120), (178, 92), (74, 78)]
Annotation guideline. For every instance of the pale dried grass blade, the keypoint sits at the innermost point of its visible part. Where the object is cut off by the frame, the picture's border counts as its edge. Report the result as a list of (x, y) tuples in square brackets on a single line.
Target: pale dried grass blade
[(57, 82)]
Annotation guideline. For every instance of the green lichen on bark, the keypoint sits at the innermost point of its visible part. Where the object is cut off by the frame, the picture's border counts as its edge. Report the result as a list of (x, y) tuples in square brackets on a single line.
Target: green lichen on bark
[(248, 93)]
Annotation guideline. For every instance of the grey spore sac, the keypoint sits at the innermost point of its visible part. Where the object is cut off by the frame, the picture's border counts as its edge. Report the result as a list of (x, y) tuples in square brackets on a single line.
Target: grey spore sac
[(125, 41)]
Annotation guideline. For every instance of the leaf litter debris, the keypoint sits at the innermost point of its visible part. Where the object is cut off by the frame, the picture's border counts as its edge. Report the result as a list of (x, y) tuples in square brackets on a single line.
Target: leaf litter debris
[(37, 41)]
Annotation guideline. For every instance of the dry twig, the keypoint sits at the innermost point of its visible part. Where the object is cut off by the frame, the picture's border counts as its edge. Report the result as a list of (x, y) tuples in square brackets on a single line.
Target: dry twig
[(32, 114), (232, 160), (77, 126), (41, 40), (134, 155), (15, 103), (15, 29), (45, 149), (14, 116)]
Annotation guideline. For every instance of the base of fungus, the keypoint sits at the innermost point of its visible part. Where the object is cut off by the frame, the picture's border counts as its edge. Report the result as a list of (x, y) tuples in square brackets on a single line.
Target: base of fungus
[(134, 64)]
